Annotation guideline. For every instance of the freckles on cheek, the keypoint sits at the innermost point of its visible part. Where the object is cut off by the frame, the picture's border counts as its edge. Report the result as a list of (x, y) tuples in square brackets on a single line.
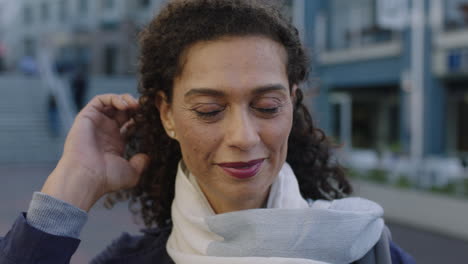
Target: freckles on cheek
[(278, 131), (200, 143), (275, 136)]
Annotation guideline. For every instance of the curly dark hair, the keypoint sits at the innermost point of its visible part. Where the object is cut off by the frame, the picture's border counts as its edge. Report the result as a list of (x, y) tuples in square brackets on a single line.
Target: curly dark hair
[(179, 25)]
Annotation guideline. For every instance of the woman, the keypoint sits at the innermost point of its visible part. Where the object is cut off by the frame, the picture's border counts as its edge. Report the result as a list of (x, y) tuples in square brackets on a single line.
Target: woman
[(211, 143)]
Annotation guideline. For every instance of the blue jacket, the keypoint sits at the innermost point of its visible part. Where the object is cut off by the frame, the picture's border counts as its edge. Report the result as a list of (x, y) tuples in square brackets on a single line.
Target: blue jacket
[(26, 244)]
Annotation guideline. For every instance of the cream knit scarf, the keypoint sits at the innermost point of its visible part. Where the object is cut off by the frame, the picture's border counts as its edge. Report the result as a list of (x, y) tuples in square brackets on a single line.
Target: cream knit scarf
[(289, 230)]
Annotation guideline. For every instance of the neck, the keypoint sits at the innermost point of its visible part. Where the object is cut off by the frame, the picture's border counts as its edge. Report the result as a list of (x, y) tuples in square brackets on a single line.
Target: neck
[(221, 206)]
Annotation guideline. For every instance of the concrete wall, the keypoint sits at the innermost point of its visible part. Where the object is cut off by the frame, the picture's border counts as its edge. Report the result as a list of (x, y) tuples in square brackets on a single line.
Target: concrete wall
[(435, 213)]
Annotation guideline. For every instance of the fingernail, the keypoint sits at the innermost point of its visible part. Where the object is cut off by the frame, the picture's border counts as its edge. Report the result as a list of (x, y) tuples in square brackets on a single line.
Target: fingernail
[(125, 102)]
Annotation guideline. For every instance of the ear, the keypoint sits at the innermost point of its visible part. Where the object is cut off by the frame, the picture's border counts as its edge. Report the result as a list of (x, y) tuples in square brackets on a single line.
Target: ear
[(165, 113), (293, 92)]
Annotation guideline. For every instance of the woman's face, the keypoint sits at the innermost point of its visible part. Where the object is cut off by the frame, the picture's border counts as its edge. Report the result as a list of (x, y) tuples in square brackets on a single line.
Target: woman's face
[(232, 114)]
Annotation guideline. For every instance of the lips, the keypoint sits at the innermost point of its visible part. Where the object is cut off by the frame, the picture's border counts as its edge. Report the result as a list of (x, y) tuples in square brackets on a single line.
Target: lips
[(242, 170)]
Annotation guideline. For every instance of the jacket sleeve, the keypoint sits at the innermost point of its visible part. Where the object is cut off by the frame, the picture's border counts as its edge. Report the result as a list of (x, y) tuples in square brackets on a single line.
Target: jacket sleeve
[(386, 252), (380, 253), (48, 233), (399, 256), (26, 244)]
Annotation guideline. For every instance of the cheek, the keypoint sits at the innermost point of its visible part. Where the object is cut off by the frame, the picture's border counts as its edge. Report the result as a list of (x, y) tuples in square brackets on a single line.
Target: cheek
[(198, 141), (275, 134)]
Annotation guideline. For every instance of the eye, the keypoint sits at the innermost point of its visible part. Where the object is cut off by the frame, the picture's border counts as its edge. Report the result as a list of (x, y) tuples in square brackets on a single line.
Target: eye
[(208, 111), (207, 114), (272, 110), (267, 106)]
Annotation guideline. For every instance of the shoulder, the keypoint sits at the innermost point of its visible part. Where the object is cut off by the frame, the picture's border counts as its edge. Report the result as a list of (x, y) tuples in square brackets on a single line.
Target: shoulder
[(385, 251), (399, 256), (151, 245)]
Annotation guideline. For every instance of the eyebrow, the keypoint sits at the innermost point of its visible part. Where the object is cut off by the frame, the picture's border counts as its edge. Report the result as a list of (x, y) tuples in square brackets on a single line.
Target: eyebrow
[(216, 93)]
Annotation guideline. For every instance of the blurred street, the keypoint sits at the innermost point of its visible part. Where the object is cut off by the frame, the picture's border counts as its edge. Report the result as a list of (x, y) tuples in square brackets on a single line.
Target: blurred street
[(17, 186), (19, 182)]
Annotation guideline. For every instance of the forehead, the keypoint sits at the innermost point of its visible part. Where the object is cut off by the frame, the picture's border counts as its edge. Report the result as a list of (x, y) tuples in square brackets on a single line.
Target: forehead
[(233, 63)]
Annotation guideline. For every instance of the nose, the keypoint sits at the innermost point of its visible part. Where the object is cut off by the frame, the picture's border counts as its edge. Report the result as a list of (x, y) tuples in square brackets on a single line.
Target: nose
[(241, 131)]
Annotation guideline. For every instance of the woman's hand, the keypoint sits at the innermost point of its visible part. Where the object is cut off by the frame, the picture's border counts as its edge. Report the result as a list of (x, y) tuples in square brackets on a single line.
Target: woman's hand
[(92, 163)]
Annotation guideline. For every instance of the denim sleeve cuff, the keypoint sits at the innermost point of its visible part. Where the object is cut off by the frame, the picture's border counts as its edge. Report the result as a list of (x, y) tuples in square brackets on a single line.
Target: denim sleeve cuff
[(55, 216)]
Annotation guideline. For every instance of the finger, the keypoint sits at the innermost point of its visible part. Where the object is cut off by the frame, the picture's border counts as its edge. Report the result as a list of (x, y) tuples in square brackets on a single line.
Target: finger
[(114, 100), (109, 111), (114, 106), (128, 128), (130, 100), (121, 117)]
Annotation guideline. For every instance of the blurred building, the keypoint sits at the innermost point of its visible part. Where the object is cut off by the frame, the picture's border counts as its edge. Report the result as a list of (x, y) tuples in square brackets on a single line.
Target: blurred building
[(2, 37), (98, 33), (392, 73), (365, 57)]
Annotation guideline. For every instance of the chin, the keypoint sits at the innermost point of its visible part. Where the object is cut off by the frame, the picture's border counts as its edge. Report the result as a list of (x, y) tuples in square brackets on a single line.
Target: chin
[(251, 190)]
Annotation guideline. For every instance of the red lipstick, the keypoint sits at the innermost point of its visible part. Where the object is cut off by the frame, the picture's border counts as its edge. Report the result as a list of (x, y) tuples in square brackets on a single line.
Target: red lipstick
[(242, 170)]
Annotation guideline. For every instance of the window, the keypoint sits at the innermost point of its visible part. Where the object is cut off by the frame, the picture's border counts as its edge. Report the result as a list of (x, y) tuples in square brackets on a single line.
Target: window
[(336, 123), (364, 126), (462, 142), (44, 11), (456, 14), (107, 4), (109, 59), (29, 46), (145, 3), (375, 118), (27, 15), (456, 116), (340, 118), (83, 6), (354, 24), (375, 125), (63, 11)]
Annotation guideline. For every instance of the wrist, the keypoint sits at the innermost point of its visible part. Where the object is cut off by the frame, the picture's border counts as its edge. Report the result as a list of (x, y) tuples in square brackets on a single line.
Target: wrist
[(74, 185)]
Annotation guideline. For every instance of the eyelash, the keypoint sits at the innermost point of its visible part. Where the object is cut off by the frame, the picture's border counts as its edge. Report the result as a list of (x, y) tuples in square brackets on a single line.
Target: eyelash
[(273, 110), (208, 114)]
